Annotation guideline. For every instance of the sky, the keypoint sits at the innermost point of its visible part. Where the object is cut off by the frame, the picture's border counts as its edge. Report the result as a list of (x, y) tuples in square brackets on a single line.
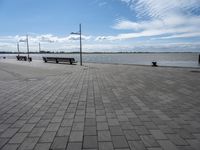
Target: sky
[(107, 25)]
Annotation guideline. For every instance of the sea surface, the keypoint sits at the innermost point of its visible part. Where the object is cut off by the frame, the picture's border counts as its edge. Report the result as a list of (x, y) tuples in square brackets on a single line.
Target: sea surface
[(162, 59)]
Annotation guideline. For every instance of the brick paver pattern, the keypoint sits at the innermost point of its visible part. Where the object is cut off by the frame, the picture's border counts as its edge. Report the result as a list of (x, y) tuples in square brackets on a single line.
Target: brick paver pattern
[(96, 106)]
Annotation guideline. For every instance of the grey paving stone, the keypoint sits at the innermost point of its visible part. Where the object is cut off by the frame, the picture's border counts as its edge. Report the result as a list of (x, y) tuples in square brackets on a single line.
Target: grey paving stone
[(42, 146), (10, 147), (104, 135), (101, 118), (158, 135), (47, 137), (119, 142), (126, 125), (47, 116), (106, 146), (166, 145), (131, 135), (76, 136), (74, 146), (90, 122), (27, 128), (141, 130), (90, 130), (113, 122), (43, 123), (18, 138), (9, 132), (185, 148), (116, 130), (78, 126), (155, 148), (59, 143), (34, 120), (136, 122), (184, 134), (69, 115), (166, 129), (28, 144), (63, 131), (53, 127), (177, 140), (149, 141), (3, 127), (19, 123), (3, 141), (11, 120), (37, 132), (90, 142), (150, 125), (194, 143), (67, 122), (136, 145), (122, 118), (197, 136), (57, 119), (102, 126), (79, 118)]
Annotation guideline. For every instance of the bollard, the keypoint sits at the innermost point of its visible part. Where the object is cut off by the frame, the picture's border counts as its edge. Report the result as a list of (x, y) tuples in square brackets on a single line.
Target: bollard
[(199, 58), (154, 64)]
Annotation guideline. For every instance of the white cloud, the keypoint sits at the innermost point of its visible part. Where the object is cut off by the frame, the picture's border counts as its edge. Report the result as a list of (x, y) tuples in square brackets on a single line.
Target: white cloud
[(95, 44), (49, 38), (169, 25), (101, 4), (170, 19), (48, 42), (163, 8)]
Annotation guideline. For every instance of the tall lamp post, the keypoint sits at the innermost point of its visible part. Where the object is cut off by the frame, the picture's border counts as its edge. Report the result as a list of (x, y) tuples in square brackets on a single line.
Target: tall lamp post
[(27, 46), (39, 47), (79, 33)]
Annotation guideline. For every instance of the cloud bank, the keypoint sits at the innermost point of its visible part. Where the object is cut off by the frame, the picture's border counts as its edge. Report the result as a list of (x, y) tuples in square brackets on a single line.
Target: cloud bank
[(50, 42), (166, 19)]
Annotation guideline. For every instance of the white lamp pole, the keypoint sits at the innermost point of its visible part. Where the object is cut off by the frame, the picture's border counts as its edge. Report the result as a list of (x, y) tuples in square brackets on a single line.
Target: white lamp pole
[(18, 48), (79, 33), (27, 46), (39, 47)]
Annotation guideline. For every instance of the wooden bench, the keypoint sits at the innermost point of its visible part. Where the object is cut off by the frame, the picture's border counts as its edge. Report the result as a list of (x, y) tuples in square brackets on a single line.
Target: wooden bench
[(58, 59), (23, 58)]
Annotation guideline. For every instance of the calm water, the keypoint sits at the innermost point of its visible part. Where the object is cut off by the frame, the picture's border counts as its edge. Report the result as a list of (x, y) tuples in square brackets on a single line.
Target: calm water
[(163, 59)]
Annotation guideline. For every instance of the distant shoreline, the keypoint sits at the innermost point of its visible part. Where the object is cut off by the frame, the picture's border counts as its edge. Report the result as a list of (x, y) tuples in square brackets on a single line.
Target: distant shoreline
[(48, 52)]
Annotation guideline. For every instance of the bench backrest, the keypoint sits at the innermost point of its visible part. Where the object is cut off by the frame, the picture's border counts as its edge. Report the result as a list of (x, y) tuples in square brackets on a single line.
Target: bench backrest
[(58, 59)]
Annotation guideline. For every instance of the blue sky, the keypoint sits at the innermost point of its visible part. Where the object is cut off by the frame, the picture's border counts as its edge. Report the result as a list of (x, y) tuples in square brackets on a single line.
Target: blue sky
[(108, 25)]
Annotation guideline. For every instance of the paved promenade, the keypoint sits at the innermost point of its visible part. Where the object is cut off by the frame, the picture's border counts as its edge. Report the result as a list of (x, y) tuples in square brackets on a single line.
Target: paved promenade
[(102, 107)]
